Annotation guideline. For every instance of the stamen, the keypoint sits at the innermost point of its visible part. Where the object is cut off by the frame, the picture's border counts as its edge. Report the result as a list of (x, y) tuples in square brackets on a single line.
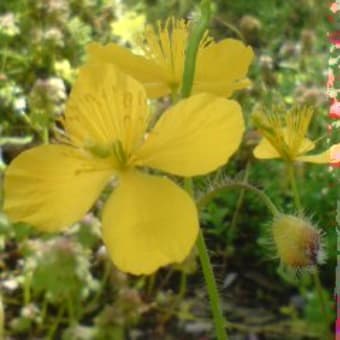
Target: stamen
[(297, 123), (119, 153), (165, 45), (285, 131)]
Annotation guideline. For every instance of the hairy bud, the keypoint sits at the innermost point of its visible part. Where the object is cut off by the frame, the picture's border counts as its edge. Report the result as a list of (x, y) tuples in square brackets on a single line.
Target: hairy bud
[(297, 241)]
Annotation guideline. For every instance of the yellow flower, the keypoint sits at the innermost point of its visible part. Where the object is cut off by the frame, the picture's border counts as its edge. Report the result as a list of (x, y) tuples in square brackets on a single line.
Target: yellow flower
[(284, 136), (148, 221), (221, 67)]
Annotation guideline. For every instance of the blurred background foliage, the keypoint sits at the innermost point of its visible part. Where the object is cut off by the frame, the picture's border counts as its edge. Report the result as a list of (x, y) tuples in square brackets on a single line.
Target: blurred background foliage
[(64, 286)]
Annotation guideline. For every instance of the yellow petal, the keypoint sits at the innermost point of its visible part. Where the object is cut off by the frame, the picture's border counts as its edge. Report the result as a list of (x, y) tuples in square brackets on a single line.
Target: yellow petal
[(321, 158), (148, 222), (264, 150), (165, 45), (106, 106), (151, 75), (335, 155), (306, 145), (194, 137), (53, 186), (222, 67)]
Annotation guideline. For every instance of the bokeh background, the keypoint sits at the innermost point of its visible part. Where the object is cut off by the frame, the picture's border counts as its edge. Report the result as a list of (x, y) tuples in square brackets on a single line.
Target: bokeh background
[(63, 286)]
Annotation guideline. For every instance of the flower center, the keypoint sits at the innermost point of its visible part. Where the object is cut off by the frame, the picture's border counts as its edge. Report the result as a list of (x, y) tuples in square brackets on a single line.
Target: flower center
[(115, 151), (286, 132), (120, 154)]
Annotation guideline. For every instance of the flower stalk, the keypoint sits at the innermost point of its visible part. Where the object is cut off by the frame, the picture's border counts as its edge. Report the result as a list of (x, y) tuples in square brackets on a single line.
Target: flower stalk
[(203, 201), (187, 83), (295, 190), (315, 275), (192, 48), (214, 298), (45, 135), (209, 278)]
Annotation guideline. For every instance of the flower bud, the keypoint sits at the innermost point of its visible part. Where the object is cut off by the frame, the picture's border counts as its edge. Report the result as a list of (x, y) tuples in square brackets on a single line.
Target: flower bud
[(298, 243), (250, 27), (311, 95)]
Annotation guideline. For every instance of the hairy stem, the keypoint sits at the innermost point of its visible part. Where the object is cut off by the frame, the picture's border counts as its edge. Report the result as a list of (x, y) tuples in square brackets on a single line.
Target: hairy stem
[(215, 304), (296, 194), (187, 83), (232, 228), (316, 276), (203, 201)]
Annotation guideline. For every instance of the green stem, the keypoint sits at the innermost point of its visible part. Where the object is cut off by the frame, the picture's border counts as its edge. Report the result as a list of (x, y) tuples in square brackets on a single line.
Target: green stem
[(203, 201), (297, 199), (182, 286), (319, 289), (187, 83), (151, 284), (192, 49), (219, 322), (232, 228), (71, 311), (316, 277), (44, 310), (27, 289), (4, 58), (220, 325), (55, 323), (45, 135)]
